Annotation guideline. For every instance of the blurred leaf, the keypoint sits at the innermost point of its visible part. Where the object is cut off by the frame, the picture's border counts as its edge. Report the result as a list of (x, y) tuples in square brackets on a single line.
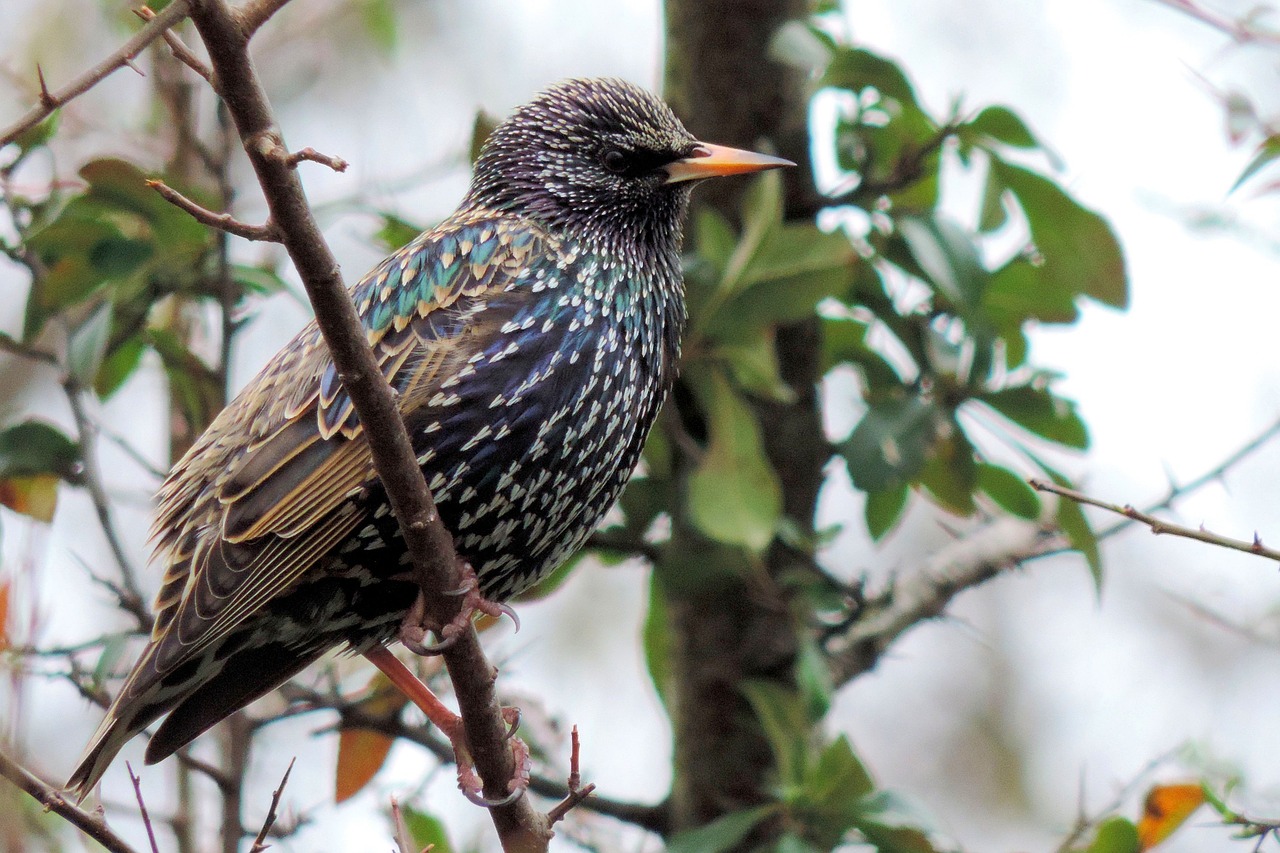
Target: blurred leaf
[(1010, 491), (950, 473), (1018, 292), (112, 651), (192, 383), (891, 826), (734, 496), (118, 366), (1073, 523), (813, 678), (1003, 125), (844, 341), (87, 345), (948, 258), (791, 843), (483, 125), (1081, 252), (33, 495), (856, 69), (786, 725), (1039, 411), (657, 637), (883, 509), (834, 790), (1268, 151), (1115, 835), (260, 281), (890, 445), (796, 43), (720, 835), (35, 447), (993, 214), (761, 217), (362, 752), (395, 232), (714, 237), (379, 19), (426, 830), (1165, 809), (38, 135), (754, 367)]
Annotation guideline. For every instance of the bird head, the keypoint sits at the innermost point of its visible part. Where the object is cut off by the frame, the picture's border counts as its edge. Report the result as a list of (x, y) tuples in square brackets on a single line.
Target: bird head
[(601, 157)]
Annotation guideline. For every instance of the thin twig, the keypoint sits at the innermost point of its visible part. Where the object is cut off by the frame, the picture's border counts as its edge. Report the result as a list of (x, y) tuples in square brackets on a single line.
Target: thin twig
[(260, 842), (142, 807), (52, 799), (308, 153), (1157, 525), (50, 101), (1243, 31), (268, 233), (178, 47), (577, 794), (132, 598), (404, 841)]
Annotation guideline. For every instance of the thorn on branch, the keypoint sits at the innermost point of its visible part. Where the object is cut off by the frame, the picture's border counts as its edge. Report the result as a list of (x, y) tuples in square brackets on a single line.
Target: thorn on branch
[(129, 63), (47, 100), (222, 221)]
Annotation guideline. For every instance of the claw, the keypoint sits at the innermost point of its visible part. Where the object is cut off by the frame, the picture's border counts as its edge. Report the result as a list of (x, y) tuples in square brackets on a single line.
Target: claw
[(485, 802), (511, 716), (427, 649)]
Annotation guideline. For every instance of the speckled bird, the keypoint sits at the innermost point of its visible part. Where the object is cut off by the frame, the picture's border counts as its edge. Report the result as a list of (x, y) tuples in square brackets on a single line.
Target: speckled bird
[(531, 337)]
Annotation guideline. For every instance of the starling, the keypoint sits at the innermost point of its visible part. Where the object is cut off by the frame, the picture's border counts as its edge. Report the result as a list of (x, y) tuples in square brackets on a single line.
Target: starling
[(531, 337)]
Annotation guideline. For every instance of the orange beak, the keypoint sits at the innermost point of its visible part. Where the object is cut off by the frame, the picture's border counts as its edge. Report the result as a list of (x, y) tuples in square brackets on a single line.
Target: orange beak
[(711, 161)]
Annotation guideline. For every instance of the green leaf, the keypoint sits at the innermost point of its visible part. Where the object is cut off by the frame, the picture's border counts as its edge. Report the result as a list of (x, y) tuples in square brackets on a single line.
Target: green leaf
[(948, 258), (657, 638), (1010, 492), (1268, 151), (87, 345), (38, 135), (395, 232), (721, 835), (35, 447), (260, 281), (993, 214), (1003, 125), (883, 509), (791, 843), (118, 366), (890, 445), (1073, 523), (379, 19), (483, 125), (1039, 411), (426, 830), (761, 217), (1021, 291), (834, 790), (1081, 253), (786, 725), (844, 341), (891, 826), (797, 43), (734, 496), (714, 238), (753, 363), (950, 474), (856, 69), (1115, 835)]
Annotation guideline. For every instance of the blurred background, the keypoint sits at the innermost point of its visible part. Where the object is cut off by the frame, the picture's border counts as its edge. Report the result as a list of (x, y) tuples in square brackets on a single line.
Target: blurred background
[(1037, 696)]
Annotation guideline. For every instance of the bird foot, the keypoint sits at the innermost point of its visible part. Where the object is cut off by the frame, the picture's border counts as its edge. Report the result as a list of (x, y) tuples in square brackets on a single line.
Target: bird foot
[(414, 627), (450, 725)]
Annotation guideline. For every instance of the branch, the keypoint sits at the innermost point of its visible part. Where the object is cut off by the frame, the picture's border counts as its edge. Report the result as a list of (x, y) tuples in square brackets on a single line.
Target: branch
[(961, 565), (142, 807), (50, 101), (267, 233), (1157, 525), (52, 799), (1243, 30), (225, 35), (178, 47), (260, 841)]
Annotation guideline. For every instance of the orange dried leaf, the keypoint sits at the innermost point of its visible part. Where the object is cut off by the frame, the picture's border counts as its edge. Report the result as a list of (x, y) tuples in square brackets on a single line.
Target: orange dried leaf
[(4, 615), (35, 495), (361, 754), (1166, 808)]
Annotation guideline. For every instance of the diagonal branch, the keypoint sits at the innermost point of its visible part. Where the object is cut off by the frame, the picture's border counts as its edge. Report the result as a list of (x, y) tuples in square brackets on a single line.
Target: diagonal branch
[(52, 799), (226, 35), (968, 562), (50, 101)]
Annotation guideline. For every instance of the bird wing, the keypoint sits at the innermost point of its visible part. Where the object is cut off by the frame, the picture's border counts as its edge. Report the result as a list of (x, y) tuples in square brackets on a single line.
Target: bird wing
[(266, 490)]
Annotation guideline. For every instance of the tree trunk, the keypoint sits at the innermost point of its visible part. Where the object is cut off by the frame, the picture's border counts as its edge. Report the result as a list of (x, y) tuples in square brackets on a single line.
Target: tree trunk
[(739, 626)]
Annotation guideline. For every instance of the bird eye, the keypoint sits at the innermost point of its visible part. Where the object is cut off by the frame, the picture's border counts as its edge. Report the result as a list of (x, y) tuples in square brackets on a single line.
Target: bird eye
[(615, 161)]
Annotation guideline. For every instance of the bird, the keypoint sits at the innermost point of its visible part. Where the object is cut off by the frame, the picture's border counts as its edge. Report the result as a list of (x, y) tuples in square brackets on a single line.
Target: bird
[(531, 338)]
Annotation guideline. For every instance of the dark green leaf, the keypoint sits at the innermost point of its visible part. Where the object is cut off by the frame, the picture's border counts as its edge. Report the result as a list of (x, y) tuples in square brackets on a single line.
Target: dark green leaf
[(395, 232), (785, 723), (1081, 253), (891, 443), (844, 341), (720, 835), (993, 215), (38, 135), (950, 474), (734, 496), (87, 345), (1009, 491), (1021, 291), (883, 509), (1003, 125), (1040, 411), (714, 238), (791, 843), (835, 789), (35, 447), (948, 258), (753, 364), (856, 69)]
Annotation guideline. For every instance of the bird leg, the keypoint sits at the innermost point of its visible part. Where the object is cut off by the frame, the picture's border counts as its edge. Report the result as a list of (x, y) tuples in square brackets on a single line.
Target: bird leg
[(414, 627), (450, 725)]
